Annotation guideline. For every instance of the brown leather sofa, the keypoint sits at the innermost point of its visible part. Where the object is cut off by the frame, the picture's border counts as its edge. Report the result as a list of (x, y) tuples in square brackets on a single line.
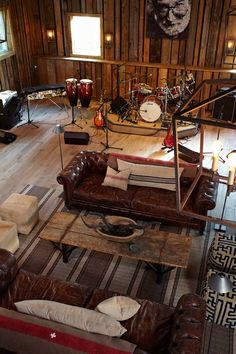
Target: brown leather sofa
[(82, 183), (156, 328)]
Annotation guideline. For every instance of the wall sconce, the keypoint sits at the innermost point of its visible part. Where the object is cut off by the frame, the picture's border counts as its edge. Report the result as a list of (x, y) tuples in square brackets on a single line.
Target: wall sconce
[(230, 37), (51, 35), (108, 40), (230, 46)]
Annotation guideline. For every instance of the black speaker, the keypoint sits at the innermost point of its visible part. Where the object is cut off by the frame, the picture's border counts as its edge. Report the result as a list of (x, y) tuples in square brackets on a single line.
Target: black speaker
[(76, 138), (119, 105), (6, 137), (225, 107)]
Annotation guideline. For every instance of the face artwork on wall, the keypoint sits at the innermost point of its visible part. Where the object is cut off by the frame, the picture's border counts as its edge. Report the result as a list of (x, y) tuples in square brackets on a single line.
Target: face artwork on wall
[(168, 18)]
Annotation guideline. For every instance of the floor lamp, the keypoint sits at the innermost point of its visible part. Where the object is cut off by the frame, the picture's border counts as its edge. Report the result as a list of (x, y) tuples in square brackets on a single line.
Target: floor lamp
[(58, 130), (220, 284)]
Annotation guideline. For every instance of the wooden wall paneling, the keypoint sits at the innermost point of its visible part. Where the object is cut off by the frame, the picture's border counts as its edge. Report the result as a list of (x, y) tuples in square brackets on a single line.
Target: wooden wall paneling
[(42, 13), (68, 5), (193, 30), (10, 73), (124, 30), (216, 14), (108, 26), (90, 7), (146, 42), (162, 77), (117, 30), (77, 6), (60, 68), (205, 32), (166, 51), (59, 27), (51, 72), (101, 89), (182, 52), (17, 83), (133, 29), (4, 81), (221, 41), (99, 6), (141, 29), (197, 43), (41, 71), (69, 67), (174, 56)]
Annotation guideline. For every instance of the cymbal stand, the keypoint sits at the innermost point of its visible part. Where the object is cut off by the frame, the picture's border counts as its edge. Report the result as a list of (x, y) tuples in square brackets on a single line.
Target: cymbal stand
[(165, 116), (106, 144)]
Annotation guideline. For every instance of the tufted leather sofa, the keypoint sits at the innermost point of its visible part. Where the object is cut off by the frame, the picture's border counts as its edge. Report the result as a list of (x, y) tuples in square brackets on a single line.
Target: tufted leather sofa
[(156, 328), (82, 182)]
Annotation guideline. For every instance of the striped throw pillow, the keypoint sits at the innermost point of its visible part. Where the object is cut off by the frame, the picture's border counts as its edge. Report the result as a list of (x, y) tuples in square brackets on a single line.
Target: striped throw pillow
[(116, 179), (150, 175)]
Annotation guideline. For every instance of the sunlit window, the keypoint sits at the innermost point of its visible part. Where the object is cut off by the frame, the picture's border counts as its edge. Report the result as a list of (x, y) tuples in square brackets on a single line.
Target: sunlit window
[(86, 33), (6, 46)]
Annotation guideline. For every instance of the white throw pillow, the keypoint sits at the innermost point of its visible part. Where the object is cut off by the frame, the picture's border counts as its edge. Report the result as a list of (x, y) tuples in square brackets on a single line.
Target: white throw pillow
[(150, 175), (120, 308), (78, 317), (116, 179)]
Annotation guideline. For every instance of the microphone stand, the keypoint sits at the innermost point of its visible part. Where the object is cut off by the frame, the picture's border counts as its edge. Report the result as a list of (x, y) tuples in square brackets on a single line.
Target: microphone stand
[(106, 144)]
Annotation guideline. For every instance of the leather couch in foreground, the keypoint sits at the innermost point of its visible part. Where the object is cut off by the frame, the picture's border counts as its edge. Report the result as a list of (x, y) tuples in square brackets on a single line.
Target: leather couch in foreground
[(82, 182), (155, 328)]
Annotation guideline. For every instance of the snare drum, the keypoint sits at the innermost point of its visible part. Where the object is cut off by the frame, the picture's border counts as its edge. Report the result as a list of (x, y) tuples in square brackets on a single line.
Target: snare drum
[(85, 92), (141, 91), (150, 109)]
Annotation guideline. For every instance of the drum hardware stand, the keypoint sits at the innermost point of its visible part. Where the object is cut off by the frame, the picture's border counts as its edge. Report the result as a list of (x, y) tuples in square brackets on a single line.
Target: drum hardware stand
[(29, 121), (106, 144), (73, 121)]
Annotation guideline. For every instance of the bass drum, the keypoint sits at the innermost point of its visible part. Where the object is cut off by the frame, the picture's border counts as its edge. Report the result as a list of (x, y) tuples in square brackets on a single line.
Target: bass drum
[(150, 109)]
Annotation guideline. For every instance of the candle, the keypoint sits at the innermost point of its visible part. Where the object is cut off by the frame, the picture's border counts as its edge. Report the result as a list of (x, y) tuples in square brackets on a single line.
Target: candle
[(215, 159), (231, 176)]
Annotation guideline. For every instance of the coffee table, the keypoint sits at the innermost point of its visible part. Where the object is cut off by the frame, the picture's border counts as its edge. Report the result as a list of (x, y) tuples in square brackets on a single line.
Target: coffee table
[(68, 231)]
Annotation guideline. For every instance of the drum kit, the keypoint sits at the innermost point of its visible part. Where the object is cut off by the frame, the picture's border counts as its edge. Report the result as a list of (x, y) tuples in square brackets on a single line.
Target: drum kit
[(153, 105)]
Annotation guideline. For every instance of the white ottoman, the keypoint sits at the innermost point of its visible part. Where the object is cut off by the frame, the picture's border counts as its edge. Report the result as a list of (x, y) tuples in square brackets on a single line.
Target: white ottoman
[(21, 209), (8, 236)]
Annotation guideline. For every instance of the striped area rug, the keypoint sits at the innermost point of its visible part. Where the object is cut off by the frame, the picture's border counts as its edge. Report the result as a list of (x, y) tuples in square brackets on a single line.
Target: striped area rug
[(125, 276)]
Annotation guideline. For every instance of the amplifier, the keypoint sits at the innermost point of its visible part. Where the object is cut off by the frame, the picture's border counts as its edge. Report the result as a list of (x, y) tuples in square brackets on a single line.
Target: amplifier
[(6, 137), (76, 138), (225, 107)]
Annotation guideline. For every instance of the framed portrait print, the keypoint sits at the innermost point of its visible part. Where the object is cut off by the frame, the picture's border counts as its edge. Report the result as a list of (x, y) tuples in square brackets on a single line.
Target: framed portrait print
[(168, 18)]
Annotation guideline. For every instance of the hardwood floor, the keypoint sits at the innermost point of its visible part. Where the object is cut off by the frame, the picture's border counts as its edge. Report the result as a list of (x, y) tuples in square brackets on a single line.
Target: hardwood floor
[(34, 157)]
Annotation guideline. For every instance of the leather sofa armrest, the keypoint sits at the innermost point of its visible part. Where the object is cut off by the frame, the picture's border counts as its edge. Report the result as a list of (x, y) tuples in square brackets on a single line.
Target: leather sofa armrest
[(8, 269), (78, 168), (206, 196), (72, 175), (187, 330)]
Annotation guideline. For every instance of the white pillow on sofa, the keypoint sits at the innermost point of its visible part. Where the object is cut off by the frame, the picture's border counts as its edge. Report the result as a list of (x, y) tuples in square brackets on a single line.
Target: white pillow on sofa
[(120, 308), (78, 317), (116, 179), (157, 176)]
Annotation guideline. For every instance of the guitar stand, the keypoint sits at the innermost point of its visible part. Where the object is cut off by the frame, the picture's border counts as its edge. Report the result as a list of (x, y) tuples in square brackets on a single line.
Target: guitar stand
[(73, 122)]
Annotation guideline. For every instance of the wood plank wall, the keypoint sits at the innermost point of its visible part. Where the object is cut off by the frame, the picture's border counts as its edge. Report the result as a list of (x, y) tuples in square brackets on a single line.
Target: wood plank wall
[(42, 62)]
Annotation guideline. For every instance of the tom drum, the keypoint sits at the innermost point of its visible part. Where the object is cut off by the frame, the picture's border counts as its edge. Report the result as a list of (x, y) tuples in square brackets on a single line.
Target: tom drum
[(150, 109), (85, 92)]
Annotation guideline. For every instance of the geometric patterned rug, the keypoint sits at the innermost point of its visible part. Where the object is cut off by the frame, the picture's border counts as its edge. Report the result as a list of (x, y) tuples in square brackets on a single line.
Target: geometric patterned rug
[(119, 274)]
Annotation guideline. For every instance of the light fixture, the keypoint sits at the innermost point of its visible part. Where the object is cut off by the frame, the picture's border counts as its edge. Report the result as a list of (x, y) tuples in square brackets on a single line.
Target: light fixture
[(220, 284), (184, 115), (58, 130), (230, 37), (51, 35), (108, 40)]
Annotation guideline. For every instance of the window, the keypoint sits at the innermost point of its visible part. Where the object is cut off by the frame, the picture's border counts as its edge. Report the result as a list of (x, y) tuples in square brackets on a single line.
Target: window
[(6, 46), (85, 35)]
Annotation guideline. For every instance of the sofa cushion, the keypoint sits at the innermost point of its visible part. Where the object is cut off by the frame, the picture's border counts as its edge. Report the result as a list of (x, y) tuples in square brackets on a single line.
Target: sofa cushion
[(78, 317), (116, 179), (26, 334), (119, 307), (156, 176)]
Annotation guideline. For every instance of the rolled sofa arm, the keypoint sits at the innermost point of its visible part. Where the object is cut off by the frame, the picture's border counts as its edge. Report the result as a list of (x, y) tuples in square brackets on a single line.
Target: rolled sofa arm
[(72, 175), (78, 168), (187, 332), (8, 269)]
